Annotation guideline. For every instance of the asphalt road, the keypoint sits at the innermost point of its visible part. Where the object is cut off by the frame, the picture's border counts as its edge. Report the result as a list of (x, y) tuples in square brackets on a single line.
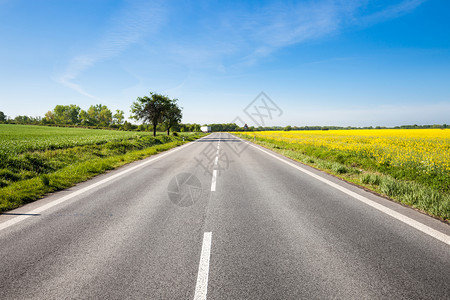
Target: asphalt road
[(221, 219)]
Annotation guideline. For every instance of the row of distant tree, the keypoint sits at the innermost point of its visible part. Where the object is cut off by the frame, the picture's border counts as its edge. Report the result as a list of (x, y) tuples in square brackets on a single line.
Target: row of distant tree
[(116, 123), (288, 128), (72, 115), (157, 113), (96, 115), (235, 127)]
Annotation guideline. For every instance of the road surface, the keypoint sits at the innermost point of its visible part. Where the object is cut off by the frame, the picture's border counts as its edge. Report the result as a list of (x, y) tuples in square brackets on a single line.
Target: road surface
[(220, 218)]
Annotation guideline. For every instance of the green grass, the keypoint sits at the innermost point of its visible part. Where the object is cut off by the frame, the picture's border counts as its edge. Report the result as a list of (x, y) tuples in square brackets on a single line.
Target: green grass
[(430, 195), (36, 160), (16, 139)]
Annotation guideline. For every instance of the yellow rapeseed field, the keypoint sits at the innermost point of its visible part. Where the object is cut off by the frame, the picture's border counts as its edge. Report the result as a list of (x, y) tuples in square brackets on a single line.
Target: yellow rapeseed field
[(425, 149)]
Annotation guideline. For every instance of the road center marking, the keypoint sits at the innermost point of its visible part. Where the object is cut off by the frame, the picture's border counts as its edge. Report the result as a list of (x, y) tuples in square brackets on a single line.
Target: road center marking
[(213, 182), (201, 287), (411, 222)]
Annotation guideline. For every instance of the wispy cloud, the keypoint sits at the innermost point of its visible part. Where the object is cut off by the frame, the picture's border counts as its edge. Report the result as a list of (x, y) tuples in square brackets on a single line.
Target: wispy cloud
[(128, 27), (245, 35), (241, 34), (220, 37), (289, 24), (284, 25), (391, 12)]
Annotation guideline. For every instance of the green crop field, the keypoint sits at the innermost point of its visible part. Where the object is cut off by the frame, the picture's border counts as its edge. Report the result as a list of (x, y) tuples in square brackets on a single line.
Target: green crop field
[(16, 139), (36, 160)]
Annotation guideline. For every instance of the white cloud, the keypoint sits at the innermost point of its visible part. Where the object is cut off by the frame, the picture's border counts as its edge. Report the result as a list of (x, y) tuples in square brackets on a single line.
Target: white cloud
[(233, 38), (127, 28), (289, 24), (391, 12), (245, 36)]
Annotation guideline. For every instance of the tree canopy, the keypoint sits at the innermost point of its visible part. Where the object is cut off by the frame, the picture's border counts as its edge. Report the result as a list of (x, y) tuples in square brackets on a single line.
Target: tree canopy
[(156, 109), (96, 115), (172, 115), (2, 117)]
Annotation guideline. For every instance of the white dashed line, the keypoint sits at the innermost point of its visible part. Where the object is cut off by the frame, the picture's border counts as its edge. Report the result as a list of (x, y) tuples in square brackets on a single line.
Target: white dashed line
[(201, 287), (213, 182), (214, 178)]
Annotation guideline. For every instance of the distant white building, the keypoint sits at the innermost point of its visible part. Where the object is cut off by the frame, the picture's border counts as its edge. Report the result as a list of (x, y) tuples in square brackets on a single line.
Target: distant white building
[(205, 128)]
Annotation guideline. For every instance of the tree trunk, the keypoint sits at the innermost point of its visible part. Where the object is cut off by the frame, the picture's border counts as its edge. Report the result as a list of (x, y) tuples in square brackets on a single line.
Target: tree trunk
[(168, 129), (154, 129)]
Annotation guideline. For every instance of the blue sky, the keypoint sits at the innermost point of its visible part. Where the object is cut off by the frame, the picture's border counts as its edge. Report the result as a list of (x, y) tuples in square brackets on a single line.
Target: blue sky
[(342, 62)]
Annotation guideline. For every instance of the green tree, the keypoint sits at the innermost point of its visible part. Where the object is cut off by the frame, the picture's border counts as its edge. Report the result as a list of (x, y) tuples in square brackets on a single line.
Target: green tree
[(66, 114), (196, 128), (104, 116), (2, 117), (49, 117), (22, 119), (92, 114), (59, 114), (72, 113), (99, 115), (118, 117), (126, 126), (150, 109), (84, 118), (172, 115)]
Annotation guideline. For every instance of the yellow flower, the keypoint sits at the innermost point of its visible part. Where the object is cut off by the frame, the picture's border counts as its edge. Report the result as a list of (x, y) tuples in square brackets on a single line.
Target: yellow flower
[(425, 149)]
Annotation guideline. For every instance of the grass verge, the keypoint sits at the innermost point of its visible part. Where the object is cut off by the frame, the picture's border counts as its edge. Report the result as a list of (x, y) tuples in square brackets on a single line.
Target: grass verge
[(392, 183), (31, 175)]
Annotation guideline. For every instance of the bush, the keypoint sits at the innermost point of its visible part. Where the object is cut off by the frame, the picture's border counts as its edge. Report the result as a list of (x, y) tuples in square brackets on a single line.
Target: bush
[(370, 179), (8, 175), (45, 179), (391, 187), (340, 169)]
